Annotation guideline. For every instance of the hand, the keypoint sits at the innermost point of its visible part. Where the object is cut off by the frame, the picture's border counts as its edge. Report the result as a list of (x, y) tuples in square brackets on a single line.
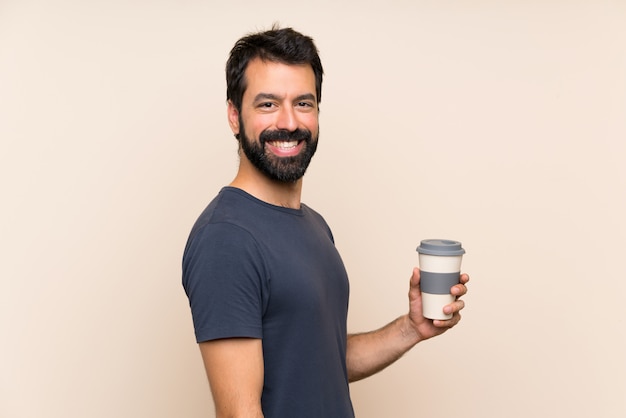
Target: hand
[(428, 328)]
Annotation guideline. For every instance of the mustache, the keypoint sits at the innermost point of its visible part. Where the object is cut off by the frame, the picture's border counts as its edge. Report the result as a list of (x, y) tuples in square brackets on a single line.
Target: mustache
[(285, 135)]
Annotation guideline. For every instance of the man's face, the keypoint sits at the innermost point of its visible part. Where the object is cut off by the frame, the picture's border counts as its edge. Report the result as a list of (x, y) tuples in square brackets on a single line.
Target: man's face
[(278, 123)]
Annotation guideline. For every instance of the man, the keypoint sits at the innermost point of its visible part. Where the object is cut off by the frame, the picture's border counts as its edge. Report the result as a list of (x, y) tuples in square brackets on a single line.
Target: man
[(267, 288)]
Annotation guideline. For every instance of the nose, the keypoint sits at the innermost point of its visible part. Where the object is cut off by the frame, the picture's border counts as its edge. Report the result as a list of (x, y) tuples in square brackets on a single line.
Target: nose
[(286, 119)]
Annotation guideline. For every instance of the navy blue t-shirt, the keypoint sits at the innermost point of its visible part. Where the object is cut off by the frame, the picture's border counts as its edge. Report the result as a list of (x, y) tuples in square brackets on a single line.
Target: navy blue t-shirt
[(251, 269)]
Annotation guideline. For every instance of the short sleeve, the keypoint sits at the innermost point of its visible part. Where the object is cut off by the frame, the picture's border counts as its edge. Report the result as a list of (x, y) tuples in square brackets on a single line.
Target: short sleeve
[(226, 282)]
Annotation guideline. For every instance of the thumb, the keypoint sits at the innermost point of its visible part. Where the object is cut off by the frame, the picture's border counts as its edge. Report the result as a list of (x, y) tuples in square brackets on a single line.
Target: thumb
[(414, 288)]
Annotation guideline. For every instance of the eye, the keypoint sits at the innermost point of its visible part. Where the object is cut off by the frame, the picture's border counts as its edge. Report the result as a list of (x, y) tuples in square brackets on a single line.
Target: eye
[(305, 105), (266, 107)]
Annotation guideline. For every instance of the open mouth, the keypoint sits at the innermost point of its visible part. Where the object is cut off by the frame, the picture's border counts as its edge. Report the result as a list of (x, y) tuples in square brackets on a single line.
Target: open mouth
[(284, 145), (285, 148)]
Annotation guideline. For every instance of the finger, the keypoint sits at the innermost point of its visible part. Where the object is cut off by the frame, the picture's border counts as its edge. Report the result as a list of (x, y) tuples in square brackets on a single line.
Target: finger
[(458, 290), (454, 307), (449, 323), (415, 277), (464, 278)]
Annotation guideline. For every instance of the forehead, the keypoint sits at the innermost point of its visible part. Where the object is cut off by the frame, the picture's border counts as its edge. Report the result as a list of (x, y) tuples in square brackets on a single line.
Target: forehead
[(280, 79)]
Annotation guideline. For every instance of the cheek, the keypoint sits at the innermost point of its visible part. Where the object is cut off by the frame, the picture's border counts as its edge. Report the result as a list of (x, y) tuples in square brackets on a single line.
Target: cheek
[(312, 123), (252, 128), (258, 124)]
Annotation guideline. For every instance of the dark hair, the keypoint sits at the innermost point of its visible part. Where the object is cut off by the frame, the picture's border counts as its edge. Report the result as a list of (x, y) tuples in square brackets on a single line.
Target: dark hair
[(276, 45)]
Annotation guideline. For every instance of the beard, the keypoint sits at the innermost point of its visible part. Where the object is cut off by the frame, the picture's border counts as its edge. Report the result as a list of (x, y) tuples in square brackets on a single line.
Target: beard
[(281, 169)]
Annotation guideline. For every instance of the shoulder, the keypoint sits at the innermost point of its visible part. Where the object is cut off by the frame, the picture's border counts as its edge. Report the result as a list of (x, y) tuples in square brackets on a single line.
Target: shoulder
[(224, 227), (317, 219), (229, 210), (222, 208)]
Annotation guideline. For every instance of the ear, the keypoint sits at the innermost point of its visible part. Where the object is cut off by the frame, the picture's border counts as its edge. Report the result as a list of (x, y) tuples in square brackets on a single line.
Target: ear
[(233, 118)]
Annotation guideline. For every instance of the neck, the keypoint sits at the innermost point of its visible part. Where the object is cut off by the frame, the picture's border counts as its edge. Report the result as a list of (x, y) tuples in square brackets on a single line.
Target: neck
[(251, 180)]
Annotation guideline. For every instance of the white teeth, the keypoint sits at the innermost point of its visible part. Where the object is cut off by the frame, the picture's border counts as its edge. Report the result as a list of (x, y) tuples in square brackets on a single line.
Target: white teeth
[(284, 144)]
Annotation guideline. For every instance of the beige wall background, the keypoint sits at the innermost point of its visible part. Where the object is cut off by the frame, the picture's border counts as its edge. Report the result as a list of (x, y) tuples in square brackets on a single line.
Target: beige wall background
[(498, 123)]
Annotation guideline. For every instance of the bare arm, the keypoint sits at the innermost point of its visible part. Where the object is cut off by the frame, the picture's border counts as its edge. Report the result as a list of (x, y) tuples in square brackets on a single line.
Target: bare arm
[(371, 352), (234, 367)]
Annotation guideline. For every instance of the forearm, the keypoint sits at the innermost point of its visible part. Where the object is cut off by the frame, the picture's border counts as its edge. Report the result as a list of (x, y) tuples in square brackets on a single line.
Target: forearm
[(371, 352)]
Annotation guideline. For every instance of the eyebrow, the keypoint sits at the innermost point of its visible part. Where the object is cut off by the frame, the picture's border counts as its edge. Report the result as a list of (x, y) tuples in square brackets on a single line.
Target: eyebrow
[(307, 96), (269, 96)]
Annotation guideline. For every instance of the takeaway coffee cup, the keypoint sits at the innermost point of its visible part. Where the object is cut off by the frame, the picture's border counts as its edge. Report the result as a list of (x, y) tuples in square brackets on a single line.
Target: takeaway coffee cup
[(440, 269)]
